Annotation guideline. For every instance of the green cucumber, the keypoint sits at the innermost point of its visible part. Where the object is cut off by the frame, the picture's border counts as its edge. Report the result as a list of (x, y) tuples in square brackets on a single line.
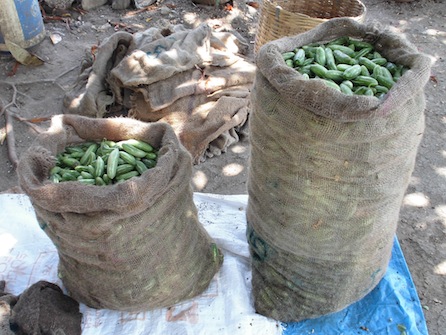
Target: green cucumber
[(320, 56), (352, 72), (318, 70), (342, 57), (112, 163)]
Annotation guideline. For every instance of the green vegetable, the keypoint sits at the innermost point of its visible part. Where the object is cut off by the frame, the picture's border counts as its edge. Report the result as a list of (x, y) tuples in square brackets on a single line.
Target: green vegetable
[(342, 57), (386, 73), (87, 181), (87, 158), (335, 75), (103, 163), (132, 150), (112, 163), (137, 144), (299, 57), (320, 56), (365, 71), (384, 81), (332, 84), (342, 66), (346, 64), (150, 163), (330, 61), (86, 175), (71, 162), (367, 63), (128, 175), (70, 175), (361, 44), (99, 181), (288, 55), (381, 89), (363, 52), (348, 83), (379, 60), (123, 168), (365, 81), (127, 158), (99, 167), (141, 167), (343, 49), (318, 70), (345, 89), (352, 72)]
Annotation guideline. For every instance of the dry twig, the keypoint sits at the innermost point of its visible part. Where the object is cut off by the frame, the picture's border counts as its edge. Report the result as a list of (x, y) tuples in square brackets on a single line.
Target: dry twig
[(10, 141), (9, 116)]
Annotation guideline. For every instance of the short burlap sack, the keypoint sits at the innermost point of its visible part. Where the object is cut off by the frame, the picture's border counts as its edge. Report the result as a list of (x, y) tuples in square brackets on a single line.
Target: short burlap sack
[(327, 176), (130, 246), (197, 80)]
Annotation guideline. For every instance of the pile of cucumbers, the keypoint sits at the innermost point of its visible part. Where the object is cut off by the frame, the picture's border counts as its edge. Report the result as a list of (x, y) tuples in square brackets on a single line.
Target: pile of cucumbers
[(348, 65), (103, 163)]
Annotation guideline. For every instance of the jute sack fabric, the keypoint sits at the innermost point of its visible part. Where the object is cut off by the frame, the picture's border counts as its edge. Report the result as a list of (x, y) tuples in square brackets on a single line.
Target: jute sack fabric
[(327, 176), (174, 75), (131, 246)]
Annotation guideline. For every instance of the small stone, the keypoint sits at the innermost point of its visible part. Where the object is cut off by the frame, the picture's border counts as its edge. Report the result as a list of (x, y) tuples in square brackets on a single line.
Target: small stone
[(59, 4), (165, 10), (139, 4), (90, 4)]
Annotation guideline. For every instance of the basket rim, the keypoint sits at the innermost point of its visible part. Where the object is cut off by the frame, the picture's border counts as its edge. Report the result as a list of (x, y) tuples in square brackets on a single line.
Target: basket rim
[(272, 11), (279, 8)]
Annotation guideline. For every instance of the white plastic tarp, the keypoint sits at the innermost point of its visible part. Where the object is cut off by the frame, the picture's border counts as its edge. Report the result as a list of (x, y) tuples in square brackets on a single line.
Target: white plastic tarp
[(226, 307)]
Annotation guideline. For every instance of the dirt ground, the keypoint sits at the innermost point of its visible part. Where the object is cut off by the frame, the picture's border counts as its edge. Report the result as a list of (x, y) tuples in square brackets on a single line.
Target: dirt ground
[(422, 226)]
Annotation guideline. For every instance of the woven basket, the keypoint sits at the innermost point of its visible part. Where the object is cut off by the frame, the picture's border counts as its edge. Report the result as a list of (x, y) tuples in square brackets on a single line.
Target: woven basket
[(280, 18)]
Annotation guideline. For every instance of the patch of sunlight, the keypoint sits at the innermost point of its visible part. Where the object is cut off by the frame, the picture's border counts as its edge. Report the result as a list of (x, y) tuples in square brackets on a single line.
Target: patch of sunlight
[(402, 25), (440, 269), (139, 26), (232, 169), (441, 212), (416, 200), (200, 180), (238, 149), (7, 242), (435, 32), (191, 18), (441, 171)]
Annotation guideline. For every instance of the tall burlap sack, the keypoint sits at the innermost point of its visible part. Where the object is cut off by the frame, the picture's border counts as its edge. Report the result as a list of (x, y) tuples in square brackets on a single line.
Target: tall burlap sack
[(327, 176), (131, 246)]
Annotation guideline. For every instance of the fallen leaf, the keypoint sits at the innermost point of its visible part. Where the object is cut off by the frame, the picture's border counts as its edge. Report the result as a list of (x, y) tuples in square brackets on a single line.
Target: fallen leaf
[(22, 55), (14, 69), (34, 120), (253, 4), (434, 79)]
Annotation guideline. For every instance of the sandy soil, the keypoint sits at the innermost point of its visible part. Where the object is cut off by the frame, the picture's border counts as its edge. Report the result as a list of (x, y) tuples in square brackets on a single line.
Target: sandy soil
[(422, 226)]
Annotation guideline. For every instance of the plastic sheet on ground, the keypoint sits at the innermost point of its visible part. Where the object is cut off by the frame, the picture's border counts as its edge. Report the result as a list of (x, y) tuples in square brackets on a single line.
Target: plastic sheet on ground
[(226, 307)]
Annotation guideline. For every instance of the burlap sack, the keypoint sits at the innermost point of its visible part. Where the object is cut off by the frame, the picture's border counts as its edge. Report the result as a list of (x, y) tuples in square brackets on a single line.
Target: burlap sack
[(203, 106), (327, 176), (130, 246), (175, 75)]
